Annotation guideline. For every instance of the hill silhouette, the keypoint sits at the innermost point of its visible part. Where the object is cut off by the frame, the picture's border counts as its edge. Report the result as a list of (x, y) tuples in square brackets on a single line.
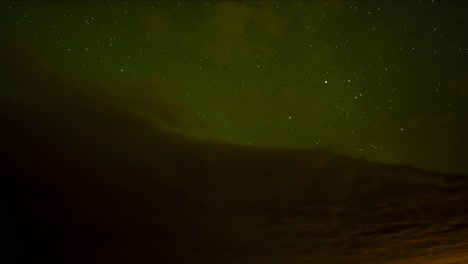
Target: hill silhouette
[(88, 178)]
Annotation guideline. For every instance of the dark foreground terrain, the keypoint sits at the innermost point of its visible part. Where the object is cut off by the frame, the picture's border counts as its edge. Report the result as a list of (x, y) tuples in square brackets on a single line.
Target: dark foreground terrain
[(84, 180)]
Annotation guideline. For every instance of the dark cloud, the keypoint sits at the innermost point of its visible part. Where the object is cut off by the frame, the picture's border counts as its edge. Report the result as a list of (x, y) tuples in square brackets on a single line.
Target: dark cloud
[(220, 32), (439, 120), (459, 86), (30, 78)]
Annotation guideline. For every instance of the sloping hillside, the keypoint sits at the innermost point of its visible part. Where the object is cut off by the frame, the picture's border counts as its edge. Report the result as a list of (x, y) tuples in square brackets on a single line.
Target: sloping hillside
[(88, 181)]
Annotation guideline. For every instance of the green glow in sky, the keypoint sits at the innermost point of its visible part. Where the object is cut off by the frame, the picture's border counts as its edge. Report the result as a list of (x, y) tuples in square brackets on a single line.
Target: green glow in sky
[(386, 81)]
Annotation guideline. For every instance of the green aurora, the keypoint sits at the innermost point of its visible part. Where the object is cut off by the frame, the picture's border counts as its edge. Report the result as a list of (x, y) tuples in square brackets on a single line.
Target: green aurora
[(386, 81)]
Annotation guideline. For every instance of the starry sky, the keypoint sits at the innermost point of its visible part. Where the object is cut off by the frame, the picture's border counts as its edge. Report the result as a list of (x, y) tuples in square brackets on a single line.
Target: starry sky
[(385, 81)]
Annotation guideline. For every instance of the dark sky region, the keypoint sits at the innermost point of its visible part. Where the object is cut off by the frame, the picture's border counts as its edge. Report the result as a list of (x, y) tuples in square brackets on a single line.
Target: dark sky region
[(382, 80)]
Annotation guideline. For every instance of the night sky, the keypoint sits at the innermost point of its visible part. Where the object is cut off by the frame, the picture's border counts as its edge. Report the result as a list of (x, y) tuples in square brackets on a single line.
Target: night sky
[(385, 81)]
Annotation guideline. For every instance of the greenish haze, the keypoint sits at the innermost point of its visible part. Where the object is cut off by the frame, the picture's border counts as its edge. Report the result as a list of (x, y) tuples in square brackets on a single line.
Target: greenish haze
[(387, 81)]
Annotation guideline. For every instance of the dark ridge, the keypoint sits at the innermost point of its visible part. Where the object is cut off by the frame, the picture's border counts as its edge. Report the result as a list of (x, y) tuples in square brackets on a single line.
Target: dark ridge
[(86, 180)]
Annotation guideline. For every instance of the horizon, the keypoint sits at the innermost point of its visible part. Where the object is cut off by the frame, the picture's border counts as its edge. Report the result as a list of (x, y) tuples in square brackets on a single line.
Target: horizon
[(365, 79)]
